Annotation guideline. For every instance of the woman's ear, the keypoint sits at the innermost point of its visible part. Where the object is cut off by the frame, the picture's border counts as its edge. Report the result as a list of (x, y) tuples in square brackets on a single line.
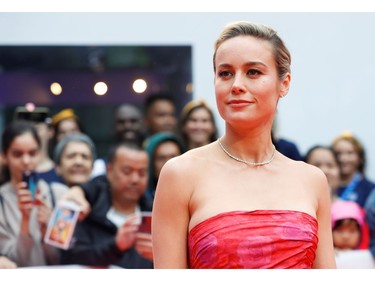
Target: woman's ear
[(285, 84)]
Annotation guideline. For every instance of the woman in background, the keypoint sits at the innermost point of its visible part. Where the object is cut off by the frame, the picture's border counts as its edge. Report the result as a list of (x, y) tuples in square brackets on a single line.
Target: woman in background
[(325, 158), (198, 125), (23, 218), (354, 185), (160, 148), (74, 157)]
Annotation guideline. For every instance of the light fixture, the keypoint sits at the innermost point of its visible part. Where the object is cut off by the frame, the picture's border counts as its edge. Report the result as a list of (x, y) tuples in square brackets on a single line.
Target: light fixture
[(100, 88), (56, 88), (139, 86)]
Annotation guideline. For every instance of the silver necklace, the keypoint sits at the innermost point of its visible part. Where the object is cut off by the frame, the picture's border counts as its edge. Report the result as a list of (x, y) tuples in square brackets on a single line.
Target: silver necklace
[(244, 161)]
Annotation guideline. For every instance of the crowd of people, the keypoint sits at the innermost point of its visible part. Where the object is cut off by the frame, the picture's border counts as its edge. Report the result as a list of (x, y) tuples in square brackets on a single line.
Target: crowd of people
[(216, 201), (110, 189)]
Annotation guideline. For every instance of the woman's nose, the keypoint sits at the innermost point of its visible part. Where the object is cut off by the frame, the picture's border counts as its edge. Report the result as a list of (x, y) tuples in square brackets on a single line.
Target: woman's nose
[(238, 85), (26, 159)]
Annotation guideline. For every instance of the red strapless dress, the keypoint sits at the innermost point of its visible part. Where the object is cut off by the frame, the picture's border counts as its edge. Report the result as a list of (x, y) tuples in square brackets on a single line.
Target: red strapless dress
[(254, 239)]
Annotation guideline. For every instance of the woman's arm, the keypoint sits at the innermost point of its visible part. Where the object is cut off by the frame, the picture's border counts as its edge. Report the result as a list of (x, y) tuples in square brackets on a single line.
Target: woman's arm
[(325, 255), (170, 216)]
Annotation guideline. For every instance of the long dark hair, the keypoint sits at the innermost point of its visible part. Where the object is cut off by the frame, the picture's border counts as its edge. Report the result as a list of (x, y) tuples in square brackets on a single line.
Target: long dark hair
[(12, 131)]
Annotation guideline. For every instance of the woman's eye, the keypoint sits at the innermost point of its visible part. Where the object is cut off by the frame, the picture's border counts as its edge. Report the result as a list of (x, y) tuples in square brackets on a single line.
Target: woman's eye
[(253, 72), (17, 154), (224, 74)]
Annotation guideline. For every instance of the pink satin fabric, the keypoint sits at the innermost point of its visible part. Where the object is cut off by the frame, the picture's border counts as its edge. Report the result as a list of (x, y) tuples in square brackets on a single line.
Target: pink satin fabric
[(254, 239)]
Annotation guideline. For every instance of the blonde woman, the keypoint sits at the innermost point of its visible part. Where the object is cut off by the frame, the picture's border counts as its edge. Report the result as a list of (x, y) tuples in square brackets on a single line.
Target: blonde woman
[(237, 202)]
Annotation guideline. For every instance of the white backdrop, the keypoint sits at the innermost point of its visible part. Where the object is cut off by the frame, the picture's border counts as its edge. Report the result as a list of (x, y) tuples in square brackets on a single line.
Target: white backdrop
[(333, 60)]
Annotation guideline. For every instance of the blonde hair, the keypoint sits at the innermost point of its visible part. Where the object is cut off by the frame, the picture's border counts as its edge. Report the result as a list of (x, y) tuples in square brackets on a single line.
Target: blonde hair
[(358, 147), (188, 110), (244, 28), (67, 113)]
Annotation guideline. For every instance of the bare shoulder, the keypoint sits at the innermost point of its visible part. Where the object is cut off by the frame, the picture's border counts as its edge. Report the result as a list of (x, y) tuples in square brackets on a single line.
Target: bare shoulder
[(190, 161), (307, 172), (184, 170), (178, 179)]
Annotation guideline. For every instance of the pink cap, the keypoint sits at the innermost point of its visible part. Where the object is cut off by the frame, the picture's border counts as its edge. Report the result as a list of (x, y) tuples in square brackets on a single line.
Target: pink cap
[(346, 210)]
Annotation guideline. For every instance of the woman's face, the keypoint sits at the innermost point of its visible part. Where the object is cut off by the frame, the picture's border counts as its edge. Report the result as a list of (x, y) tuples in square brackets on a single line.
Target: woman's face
[(66, 127), (76, 163), (325, 160), (246, 81), (199, 126), (22, 155), (163, 153), (348, 157)]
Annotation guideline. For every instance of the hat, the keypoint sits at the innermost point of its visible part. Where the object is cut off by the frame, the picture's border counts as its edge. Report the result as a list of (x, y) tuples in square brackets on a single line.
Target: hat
[(191, 105), (37, 114), (346, 210), (62, 115)]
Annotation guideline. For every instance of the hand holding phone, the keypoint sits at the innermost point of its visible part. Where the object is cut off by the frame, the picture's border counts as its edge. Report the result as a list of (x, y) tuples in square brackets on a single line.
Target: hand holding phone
[(31, 180), (145, 226)]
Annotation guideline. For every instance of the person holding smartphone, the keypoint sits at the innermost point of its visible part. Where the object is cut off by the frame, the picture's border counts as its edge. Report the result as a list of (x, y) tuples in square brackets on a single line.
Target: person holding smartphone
[(111, 234), (23, 218)]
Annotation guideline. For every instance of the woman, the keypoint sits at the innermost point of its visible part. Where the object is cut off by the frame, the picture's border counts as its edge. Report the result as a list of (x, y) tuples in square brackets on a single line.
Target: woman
[(198, 126), (23, 220), (160, 148), (40, 120), (74, 157), (63, 123), (237, 202), (354, 184), (325, 158)]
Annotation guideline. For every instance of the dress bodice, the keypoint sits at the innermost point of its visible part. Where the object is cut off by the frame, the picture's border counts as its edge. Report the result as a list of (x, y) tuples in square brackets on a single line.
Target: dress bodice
[(254, 239)]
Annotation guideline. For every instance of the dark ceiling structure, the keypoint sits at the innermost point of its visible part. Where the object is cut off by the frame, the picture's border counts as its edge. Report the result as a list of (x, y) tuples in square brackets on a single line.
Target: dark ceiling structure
[(26, 73)]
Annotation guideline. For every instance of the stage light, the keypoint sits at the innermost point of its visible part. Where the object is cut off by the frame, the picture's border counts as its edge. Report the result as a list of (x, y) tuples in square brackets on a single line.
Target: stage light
[(100, 88), (56, 88), (139, 86)]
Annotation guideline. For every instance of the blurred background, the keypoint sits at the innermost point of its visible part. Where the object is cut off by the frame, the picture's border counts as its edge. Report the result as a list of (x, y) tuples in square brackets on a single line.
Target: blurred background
[(92, 80), (333, 70)]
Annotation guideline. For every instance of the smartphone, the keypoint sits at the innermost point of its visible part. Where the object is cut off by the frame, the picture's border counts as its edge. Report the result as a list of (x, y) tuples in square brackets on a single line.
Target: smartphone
[(30, 178), (145, 226)]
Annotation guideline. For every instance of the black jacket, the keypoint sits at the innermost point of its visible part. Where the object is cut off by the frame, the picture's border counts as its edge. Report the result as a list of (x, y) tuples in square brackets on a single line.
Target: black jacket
[(94, 237)]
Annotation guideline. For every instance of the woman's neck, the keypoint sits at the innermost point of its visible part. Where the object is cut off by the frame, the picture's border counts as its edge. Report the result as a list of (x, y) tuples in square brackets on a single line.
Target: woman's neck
[(45, 164)]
